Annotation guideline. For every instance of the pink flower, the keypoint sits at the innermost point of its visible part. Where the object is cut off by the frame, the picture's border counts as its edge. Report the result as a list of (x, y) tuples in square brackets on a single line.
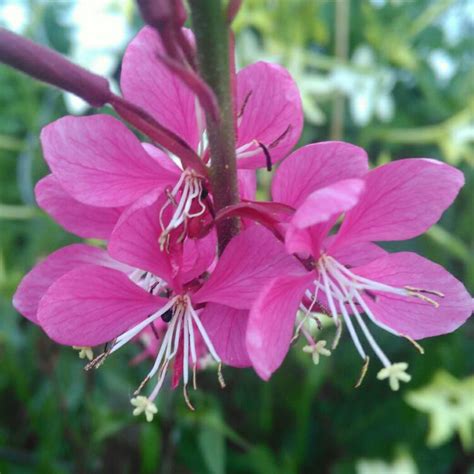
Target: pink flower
[(347, 273), (82, 297), (99, 167)]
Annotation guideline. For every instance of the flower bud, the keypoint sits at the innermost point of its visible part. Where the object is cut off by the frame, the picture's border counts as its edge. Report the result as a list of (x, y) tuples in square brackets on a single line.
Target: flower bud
[(49, 66)]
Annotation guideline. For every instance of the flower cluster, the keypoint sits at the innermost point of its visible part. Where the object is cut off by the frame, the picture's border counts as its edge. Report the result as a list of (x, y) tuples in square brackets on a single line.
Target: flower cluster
[(310, 251)]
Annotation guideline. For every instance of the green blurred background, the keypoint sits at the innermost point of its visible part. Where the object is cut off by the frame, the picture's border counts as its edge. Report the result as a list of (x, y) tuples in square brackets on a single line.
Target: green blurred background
[(395, 77)]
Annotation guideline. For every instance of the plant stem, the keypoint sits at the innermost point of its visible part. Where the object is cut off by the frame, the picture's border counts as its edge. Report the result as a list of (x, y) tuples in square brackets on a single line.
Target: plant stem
[(212, 38)]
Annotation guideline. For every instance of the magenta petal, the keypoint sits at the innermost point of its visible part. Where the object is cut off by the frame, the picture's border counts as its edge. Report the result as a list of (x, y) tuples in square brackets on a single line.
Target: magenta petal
[(411, 316), (135, 238), (227, 328), (88, 222), (271, 322), (250, 260), (148, 82), (272, 113), (247, 184), (317, 166), (299, 241), (99, 161), (323, 204), (35, 283), (402, 199), (356, 254), (92, 305), (197, 257)]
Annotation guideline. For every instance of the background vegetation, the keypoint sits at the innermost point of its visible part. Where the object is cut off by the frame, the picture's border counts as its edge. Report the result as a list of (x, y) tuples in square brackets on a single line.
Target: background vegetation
[(395, 77)]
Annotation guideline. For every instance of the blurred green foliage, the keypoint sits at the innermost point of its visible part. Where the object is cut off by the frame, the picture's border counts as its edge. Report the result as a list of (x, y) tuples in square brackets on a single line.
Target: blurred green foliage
[(395, 77)]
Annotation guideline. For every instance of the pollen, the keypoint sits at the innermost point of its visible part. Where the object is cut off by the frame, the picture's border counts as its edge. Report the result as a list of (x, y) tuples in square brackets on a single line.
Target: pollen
[(85, 352), (395, 374), (316, 350), (144, 405)]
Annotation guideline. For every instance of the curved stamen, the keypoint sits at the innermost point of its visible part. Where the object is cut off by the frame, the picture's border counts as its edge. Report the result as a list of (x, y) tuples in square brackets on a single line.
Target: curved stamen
[(189, 188)]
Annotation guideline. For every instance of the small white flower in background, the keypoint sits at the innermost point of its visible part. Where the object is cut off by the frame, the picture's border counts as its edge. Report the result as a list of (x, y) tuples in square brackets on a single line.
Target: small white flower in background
[(457, 22), (403, 464), (443, 65), (367, 85), (99, 33), (14, 15), (448, 402), (311, 85), (382, 3)]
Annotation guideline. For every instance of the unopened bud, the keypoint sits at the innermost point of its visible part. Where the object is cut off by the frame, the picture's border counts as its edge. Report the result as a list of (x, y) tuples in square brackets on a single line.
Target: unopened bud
[(49, 66)]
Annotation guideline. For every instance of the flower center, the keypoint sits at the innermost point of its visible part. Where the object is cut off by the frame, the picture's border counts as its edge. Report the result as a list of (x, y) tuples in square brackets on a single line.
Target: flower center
[(188, 189), (343, 290)]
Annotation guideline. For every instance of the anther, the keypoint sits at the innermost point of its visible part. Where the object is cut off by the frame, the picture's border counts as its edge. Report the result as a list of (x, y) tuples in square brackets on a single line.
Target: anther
[(244, 105), (220, 377), (100, 359), (274, 143), (171, 197), (417, 346), (421, 290), (363, 372), (186, 398), (423, 298), (167, 315), (194, 377), (268, 158), (338, 335), (155, 332), (139, 389)]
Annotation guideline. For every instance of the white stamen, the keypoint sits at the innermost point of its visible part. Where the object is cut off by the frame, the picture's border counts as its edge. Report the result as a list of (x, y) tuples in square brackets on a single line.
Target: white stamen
[(131, 333), (191, 190), (204, 335), (342, 286)]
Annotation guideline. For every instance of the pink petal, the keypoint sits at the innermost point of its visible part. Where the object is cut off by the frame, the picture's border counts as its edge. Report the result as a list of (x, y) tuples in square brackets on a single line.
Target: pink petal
[(272, 111), (250, 260), (88, 222), (411, 316), (325, 203), (163, 159), (402, 199), (226, 327), (198, 255), (35, 283), (351, 255), (247, 184), (92, 305), (299, 241), (146, 81), (99, 161), (135, 238), (316, 166), (272, 320)]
